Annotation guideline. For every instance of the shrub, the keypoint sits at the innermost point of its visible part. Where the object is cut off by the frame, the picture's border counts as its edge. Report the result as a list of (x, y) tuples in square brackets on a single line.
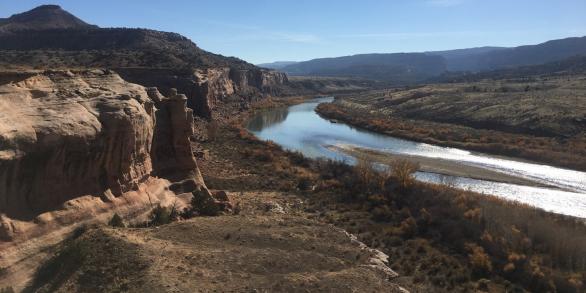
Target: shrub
[(261, 155), (116, 221), (366, 179), (304, 183), (160, 216), (479, 260), (382, 213), (408, 227), (298, 159), (403, 171)]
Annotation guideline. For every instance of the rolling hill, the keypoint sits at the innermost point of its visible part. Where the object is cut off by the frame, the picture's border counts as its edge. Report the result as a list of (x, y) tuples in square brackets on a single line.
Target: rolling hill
[(400, 68), (492, 58), (405, 68)]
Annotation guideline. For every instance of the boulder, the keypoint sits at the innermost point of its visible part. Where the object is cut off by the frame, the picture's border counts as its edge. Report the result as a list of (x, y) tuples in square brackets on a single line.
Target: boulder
[(213, 203)]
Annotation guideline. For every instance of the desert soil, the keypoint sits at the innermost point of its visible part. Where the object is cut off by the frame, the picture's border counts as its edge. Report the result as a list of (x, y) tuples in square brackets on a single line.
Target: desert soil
[(271, 245)]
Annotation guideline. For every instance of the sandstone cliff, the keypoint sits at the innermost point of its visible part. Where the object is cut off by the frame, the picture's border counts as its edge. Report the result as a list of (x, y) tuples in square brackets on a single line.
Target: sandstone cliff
[(78, 141), (207, 89)]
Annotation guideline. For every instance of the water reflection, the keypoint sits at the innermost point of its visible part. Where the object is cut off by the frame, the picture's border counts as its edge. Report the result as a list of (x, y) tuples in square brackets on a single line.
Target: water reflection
[(267, 118)]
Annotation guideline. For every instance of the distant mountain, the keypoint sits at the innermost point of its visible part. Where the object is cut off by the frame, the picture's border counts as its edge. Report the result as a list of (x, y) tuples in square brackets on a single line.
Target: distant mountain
[(572, 65), (492, 58), (400, 68), (276, 65), (418, 67), (463, 59), (42, 18)]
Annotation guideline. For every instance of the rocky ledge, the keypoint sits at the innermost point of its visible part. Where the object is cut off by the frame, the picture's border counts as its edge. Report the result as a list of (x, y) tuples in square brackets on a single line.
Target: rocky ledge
[(75, 145)]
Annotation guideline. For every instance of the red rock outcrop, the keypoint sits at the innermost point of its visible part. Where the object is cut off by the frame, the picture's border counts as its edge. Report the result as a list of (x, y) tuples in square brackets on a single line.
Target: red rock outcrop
[(87, 135), (206, 88)]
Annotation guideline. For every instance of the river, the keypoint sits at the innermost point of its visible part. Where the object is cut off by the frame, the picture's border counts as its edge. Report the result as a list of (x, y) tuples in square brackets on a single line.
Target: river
[(300, 128)]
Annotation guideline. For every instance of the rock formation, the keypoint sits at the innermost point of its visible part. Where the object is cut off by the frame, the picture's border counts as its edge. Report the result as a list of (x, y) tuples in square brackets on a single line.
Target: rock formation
[(66, 136), (207, 88)]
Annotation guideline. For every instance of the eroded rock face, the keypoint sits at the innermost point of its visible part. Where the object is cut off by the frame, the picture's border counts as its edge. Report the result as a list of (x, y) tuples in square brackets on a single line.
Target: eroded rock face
[(172, 154), (206, 88), (66, 135)]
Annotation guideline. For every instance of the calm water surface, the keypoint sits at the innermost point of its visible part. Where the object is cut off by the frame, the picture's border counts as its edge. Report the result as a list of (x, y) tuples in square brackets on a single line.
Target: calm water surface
[(299, 128)]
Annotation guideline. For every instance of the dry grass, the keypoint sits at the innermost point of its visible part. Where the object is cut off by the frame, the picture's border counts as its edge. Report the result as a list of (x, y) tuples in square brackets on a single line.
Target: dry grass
[(541, 251)]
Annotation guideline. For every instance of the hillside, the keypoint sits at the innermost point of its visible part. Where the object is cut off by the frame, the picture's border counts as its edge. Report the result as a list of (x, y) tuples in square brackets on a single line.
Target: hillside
[(276, 64), (570, 66), (462, 59), (50, 28), (406, 68), (401, 68), (140, 48), (491, 58)]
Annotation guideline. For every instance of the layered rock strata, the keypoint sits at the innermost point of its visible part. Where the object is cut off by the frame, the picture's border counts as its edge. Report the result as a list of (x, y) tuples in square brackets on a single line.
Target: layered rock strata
[(87, 141), (206, 89)]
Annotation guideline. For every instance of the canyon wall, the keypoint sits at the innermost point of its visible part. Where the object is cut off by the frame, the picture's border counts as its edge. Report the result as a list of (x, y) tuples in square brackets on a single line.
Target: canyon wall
[(88, 134), (206, 88)]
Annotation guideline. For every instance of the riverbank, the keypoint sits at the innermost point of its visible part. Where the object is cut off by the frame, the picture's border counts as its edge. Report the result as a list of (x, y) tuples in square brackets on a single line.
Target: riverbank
[(409, 114), (434, 165)]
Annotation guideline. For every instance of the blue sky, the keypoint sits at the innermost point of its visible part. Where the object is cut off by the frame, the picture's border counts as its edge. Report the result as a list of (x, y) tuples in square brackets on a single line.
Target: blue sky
[(270, 30)]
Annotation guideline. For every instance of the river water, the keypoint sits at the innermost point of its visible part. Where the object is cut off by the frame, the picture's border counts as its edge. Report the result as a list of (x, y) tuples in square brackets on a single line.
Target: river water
[(299, 128)]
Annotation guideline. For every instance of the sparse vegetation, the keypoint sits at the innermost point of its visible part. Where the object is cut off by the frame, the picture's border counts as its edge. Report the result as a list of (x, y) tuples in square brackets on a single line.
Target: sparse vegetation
[(116, 221), (538, 250), (7, 290), (160, 216), (99, 263), (403, 171)]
